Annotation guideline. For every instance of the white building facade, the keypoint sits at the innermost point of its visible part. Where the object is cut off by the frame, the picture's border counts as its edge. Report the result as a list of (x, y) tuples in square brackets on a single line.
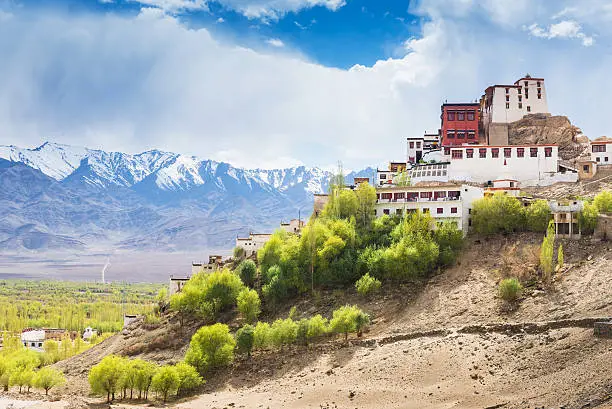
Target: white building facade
[(33, 339), (419, 146), (601, 152), (253, 243), (444, 202)]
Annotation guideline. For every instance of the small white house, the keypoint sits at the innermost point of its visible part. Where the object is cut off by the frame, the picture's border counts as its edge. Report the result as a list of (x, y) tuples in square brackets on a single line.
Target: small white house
[(253, 243), (88, 333), (601, 151), (176, 284), (33, 339)]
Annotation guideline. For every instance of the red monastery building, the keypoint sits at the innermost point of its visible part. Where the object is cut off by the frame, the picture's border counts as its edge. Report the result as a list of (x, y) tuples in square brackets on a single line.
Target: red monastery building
[(460, 123)]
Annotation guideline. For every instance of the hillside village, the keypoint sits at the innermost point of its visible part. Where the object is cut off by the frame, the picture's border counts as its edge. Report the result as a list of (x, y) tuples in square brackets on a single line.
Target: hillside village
[(480, 148)]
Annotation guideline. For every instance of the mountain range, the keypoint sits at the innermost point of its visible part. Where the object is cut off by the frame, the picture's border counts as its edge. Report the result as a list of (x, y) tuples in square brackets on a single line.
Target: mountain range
[(61, 197)]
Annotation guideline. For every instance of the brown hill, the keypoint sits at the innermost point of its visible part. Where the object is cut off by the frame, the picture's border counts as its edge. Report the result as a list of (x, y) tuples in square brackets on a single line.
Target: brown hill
[(546, 129)]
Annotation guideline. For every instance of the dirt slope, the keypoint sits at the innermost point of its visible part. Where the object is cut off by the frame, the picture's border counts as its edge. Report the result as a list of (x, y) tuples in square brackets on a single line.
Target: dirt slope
[(445, 344)]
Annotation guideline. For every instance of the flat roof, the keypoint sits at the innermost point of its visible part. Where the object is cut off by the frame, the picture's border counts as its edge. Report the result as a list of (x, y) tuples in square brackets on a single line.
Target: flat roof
[(499, 146), (418, 187), (461, 104)]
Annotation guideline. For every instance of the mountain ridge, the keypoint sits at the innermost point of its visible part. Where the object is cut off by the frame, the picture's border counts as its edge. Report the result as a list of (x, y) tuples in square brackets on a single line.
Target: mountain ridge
[(75, 198)]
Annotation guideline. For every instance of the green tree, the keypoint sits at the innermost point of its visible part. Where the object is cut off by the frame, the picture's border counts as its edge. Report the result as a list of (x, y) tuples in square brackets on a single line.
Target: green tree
[(317, 327), (283, 332), (249, 305), (211, 347), (301, 334), (603, 201), (537, 216), (588, 218), (497, 214), (247, 271), (367, 285), (560, 257), (189, 379), (239, 254), (245, 338), (144, 376), (450, 241), (261, 335), (105, 377), (166, 381), (47, 378), (366, 200), (22, 377), (161, 298), (348, 319), (547, 252)]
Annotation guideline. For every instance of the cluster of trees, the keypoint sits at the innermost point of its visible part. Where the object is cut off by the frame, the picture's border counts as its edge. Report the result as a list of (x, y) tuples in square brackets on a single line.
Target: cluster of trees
[(55, 351), (23, 368), (505, 214), (345, 242), (134, 378), (70, 305)]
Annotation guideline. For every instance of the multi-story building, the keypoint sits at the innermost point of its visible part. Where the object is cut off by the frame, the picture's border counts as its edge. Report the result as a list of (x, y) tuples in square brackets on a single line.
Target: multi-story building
[(253, 243), (504, 104), (294, 226), (601, 151), (460, 123), (445, 202), (418, 146), (531, 165)]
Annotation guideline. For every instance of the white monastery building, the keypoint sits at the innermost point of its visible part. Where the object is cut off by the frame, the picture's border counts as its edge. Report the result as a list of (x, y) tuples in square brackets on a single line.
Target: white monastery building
[(418, 146), (253, 243), (445, 202), (601, 151), (504, 104)]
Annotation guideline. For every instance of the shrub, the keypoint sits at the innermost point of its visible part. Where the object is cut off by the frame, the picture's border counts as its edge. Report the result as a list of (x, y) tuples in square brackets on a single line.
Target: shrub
[(317, 326), (22, 377), (245, 338), (211, 347), (547, 252), (247, 270), (262, 335), (510, 289), (105, 377), (497, 214), (165, 381), (249, 305), (560, 257), (283, 332), (348, 319), (47, 378), (302, 331), (144, 376), (367, 285), (603, 201), (189, 378), (588, 218)]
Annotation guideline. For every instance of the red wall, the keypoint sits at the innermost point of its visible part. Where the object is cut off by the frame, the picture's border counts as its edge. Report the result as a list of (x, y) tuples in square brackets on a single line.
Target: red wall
[(457, 125)]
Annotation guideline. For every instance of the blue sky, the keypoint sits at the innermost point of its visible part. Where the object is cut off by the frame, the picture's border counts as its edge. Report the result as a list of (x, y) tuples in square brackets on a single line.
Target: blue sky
[(272, 83)]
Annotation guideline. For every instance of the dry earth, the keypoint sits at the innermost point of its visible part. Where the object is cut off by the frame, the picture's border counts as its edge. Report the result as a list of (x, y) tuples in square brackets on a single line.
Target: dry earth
[(447, 343)]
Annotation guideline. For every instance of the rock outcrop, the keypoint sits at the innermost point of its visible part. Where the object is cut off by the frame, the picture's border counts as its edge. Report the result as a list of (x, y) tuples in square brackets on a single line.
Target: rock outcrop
[(546, 129)]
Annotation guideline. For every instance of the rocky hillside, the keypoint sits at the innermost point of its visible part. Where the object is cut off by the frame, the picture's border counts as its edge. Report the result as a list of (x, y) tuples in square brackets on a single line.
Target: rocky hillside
[(443, 343), (545, 129)]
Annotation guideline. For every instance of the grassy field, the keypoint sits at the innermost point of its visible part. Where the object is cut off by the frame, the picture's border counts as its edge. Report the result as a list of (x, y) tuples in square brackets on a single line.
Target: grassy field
[(72, 305)]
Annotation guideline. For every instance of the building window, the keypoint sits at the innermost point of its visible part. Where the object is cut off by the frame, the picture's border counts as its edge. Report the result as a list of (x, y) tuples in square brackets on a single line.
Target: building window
[(453, 210), (447, 151), (482, 152), (451, 115), (385, 211), (548, 152), (528, 108), (425, 210), (398, 212), (507, 152), (471, 134), (439, 210), (418, 145), (538, 83), (520, 105), (470, 115), (411, 145), (507, 90), (519, 90), (461, 116), (460, 134), (533, 152), (520, 98), (507, 98), (606, 159), (450, 133), (383, 176), (457, 154), (495, 152), (520, 152), (597, 159), (526, 83), (599, 148), (539, 96), (374, 212), (386, 196), (469, 153), (507, 105), (585, 168)]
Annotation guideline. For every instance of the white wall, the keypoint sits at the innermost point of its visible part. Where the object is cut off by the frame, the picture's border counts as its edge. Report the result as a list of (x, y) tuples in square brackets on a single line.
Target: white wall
[(600, 157), (519, 104), (527, 170)]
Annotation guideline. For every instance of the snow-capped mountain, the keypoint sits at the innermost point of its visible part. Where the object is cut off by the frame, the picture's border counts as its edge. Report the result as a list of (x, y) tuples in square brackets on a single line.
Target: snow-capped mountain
[(59, 196)]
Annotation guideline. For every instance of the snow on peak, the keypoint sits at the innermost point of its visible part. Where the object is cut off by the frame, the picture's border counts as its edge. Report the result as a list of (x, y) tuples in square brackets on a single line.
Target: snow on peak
[(54, 160)]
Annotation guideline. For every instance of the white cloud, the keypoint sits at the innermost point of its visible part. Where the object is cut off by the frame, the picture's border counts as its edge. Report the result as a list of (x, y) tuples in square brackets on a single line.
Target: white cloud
[(253, 9), (562, 29), (275, 42), (220, 20), (131, 84)]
